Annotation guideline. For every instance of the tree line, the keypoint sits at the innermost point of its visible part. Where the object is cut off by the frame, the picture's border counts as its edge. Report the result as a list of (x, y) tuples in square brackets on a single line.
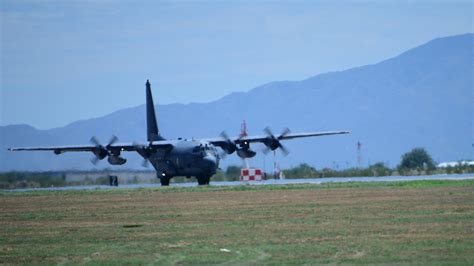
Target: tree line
[(414, 162)]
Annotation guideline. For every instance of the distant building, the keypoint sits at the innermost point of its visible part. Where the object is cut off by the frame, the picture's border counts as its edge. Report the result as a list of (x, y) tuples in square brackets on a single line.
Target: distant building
[(454, 164)]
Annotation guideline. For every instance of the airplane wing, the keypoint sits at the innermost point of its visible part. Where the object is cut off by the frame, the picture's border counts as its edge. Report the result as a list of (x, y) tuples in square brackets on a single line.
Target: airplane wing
[(251, 139), (222, 142), (156, 145)]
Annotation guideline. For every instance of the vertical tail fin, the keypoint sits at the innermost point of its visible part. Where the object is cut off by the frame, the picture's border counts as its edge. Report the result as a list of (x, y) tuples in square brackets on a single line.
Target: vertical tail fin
[(152, 126)]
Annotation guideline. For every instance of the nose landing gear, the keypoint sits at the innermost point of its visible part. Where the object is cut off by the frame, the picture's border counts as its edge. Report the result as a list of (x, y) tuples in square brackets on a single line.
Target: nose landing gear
[(203, 180)]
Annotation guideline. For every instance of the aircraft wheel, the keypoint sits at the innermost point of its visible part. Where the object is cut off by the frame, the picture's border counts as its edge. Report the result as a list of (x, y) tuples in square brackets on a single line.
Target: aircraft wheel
[(165, 181), (203, 180)]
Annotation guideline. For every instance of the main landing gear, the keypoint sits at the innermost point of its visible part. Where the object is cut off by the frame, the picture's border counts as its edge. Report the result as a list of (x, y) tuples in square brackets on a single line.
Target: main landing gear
[(164, 179), (203, 180)]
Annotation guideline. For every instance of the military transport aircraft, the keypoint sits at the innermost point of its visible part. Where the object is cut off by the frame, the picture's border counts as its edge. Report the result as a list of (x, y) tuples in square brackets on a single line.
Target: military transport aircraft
[(181, 157)]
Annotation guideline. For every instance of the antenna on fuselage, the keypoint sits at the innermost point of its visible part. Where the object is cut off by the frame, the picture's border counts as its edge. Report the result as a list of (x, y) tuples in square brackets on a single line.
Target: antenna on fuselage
[(153, 132)]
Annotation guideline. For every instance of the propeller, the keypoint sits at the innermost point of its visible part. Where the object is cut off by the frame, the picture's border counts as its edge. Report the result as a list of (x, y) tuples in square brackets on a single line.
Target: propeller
[(94, 141), (230, 145), (100, 151), (273, 143), (145, 152), (94, 160), (112, 140), (222, 154)]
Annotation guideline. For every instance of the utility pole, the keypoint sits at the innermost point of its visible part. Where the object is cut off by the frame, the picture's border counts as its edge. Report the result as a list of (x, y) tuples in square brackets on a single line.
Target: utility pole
[(359, 154), (274, 165)]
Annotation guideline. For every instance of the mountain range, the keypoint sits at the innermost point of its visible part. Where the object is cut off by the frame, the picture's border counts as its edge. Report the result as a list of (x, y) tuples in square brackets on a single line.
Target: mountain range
[(420, 98)]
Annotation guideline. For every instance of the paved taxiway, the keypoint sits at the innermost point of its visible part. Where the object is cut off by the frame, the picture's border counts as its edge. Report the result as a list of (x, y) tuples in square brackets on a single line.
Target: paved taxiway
[(271, 182)]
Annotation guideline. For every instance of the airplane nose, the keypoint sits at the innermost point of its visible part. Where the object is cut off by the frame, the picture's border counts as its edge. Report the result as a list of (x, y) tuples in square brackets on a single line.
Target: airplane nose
[(210, 160), (211, 163)]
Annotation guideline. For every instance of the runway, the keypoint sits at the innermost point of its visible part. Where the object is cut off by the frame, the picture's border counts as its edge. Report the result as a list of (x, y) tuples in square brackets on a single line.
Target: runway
[(266, 182)]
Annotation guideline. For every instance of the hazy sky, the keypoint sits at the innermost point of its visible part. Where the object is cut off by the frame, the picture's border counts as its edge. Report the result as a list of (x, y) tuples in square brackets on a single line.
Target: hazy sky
[(67, 60)]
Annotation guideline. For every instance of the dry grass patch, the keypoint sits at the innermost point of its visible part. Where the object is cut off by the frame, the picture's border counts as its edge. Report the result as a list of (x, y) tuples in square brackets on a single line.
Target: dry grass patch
[(303, 224)]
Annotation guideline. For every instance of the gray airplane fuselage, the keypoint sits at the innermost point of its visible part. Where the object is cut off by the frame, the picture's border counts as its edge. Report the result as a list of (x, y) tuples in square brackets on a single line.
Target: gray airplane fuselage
[(187, 158)]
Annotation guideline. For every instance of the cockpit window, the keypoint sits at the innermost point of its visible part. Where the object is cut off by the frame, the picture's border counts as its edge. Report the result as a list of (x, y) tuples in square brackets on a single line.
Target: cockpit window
[(203, 148)]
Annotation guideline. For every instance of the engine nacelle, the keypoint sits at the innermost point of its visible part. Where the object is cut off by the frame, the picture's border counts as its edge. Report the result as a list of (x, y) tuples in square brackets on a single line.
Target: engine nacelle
[(229, 148), (100, 153), (242, 153), (116, 160), (272, 143)]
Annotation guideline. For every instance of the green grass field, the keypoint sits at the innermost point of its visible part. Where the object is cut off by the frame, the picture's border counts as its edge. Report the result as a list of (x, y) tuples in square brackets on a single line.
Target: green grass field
[(419, 222)]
